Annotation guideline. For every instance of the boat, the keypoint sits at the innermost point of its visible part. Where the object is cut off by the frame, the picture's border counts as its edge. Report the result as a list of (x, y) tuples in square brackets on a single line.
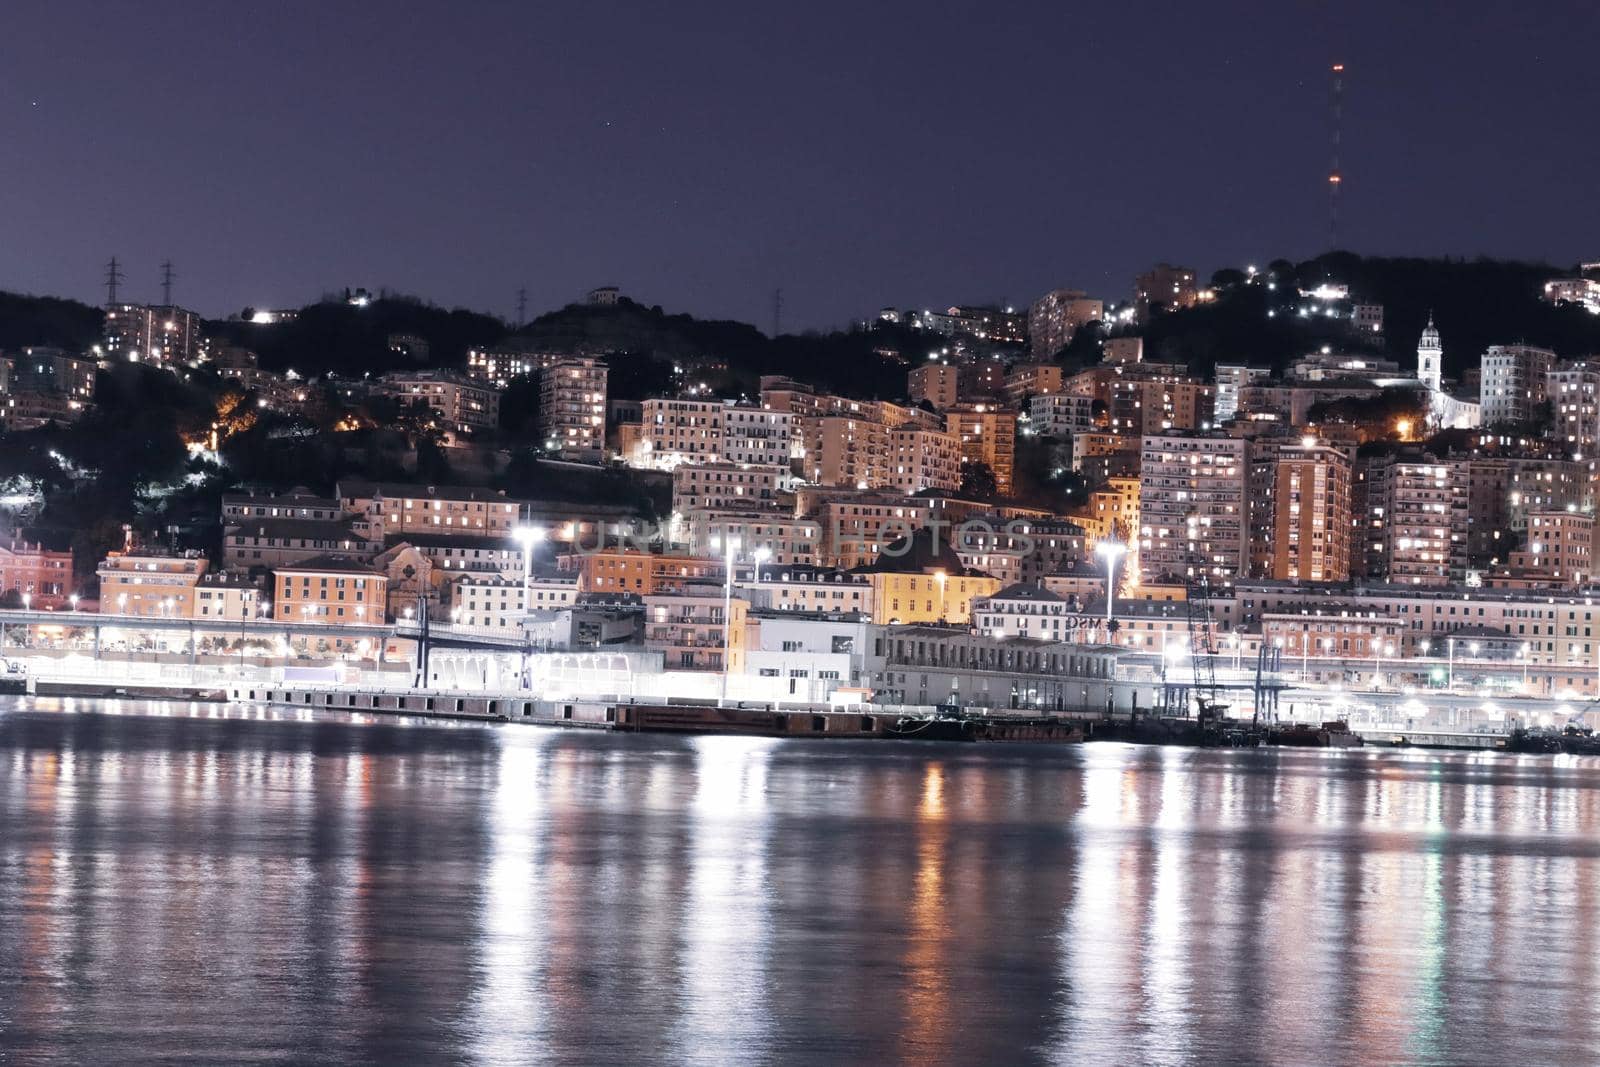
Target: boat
[(1574, 740), (949, 722), (1335, 734)]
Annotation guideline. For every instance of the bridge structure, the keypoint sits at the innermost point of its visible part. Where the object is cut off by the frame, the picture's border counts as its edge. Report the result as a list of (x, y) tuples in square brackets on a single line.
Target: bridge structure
[(17, 627)]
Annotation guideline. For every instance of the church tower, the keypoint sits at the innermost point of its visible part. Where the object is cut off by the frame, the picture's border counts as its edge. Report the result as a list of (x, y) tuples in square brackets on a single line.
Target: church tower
[(1430, 356)]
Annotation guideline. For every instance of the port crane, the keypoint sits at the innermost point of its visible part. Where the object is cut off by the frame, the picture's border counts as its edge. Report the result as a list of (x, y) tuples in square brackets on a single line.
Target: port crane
[(1203, 651)]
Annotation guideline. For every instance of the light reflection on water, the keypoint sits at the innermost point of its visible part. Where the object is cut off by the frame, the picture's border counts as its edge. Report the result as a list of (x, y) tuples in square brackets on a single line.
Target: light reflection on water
[(307, 887)]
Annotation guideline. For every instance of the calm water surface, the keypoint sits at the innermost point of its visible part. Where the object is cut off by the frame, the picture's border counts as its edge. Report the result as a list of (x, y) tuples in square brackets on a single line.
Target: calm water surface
[(181, 882)]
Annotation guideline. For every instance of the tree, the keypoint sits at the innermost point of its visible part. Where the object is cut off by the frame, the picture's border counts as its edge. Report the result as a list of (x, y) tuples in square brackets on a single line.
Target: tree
[(978, 481)]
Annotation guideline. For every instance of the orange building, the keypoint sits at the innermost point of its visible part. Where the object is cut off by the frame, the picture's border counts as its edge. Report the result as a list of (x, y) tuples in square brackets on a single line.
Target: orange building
[(330, 590), (42, 576), (150, 585), (1311, 514), (988, 435), (625, 570)]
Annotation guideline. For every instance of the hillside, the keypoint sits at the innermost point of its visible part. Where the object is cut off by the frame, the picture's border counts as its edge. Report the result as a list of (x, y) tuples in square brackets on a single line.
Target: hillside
[(47, 320), (847, 361), (348, 340), (1475, 303)]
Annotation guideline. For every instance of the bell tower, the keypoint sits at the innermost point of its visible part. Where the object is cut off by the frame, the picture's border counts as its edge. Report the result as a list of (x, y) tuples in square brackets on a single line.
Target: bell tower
[(1430, 355)]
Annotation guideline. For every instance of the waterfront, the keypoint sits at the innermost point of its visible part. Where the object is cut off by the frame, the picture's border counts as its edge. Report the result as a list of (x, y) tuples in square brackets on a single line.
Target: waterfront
[(187, 880)]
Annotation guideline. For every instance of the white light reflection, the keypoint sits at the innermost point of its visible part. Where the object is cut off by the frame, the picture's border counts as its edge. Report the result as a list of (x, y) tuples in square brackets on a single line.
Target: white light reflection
[(508, 1007), (727, 925)]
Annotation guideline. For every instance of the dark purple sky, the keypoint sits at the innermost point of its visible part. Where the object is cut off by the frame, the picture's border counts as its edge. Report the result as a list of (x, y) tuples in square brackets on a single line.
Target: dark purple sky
[(702, 154)]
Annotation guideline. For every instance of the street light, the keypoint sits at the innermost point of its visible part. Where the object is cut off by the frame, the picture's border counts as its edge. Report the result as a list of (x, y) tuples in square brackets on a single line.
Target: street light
[(74, 600), (527, 537), (730, 545), (761, 555), (1110, 551), (27, 601), (940, 577)]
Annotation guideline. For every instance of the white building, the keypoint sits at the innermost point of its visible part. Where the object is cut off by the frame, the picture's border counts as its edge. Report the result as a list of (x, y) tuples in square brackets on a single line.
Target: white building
[(1060, 414), (1513, 380), (726, 485), (1024, 611), (798, 587), (1232, 379), (572, 409)]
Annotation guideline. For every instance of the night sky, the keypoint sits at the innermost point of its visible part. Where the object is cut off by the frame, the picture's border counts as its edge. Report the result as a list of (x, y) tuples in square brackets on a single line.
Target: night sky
[(701, 155)]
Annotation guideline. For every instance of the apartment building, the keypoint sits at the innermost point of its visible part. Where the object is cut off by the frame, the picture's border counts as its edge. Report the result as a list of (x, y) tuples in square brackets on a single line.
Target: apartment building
[(934, 383), (726, 485), (1026, 380), (330, 590), (920, 458), (1574, 393), (1061, 414), (32, 571), (572, 409), (460, 404), (695, 629), (804, 588), (758, 437), (165, 335), (398, 508), (622, 570), (1193, 510), (856, 529), (1513, 383), (498, 366), (497, 602), (1056, 316), (230, 597), (264, 544), (674, 432), (988, 435), (1311, 522), (784, 539), (1164, 288), (1416, 519), (150, 585)]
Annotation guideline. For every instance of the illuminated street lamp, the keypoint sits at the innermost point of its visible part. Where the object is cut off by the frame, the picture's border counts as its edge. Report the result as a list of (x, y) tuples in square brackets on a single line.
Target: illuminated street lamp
[(74, 600), (761, 555), (729, 545), (27, 601), (1110, 551), (528, 537)]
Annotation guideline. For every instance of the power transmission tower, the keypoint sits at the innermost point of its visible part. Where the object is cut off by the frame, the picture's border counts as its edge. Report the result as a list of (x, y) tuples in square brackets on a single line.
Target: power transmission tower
[(113, 279), (167, 278), (522, 306), (1335, 177)]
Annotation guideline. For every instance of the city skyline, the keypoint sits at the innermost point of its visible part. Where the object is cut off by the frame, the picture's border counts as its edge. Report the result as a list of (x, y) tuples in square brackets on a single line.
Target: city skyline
[(912, 161)]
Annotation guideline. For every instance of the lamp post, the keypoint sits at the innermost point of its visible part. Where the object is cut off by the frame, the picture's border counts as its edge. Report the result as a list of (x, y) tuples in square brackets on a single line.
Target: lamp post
[(73, 599), (730, 545), (27, 601), (1526, 648), (528, 537), (1110, 551), (1450, 676), (940, 577), (761, 555)]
